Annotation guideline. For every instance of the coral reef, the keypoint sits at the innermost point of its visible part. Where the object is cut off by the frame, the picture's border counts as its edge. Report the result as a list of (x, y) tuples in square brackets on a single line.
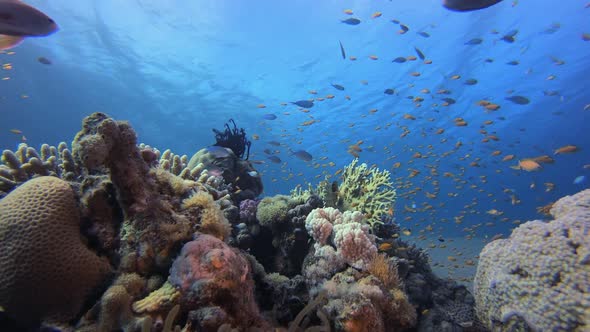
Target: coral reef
[(538, 277), (46, 271), (187, 242), (367, 190)]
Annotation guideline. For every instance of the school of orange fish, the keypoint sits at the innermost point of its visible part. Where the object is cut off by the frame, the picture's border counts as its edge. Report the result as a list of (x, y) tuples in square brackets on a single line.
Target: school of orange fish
[(418, 178)]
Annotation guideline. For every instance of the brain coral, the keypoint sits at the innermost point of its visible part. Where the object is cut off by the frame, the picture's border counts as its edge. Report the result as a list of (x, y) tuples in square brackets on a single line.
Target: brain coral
[(45, 269), (539, 278)]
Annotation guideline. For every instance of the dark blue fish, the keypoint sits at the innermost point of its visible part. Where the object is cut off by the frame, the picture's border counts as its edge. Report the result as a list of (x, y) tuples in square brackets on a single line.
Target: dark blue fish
[(519, 100), (420, 53), (269, 116), (474, 41), (351, 21), (338, 87), (424, 34), (489, 60), (470, 81), (389, 91), (342, 50), (267, 151), (274, 143), (303, 103), (449, 101), (19, 20), (303, 155), (399, 59), (44, 60), (395, 21), (217, 151), (510, 37), (404, 27), (274, 159), (468, 5), (513, 63)]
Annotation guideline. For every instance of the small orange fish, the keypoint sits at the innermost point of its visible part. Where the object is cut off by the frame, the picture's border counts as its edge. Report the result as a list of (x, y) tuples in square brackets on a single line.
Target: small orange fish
[(455, 77), (415, 74), (255, 137), (529, 165), (385, 246), (566, 149), (376, 14), (411, 58), (373, 57), (16, 131), (348, 11), (352, 58), (427, 62), (409, 117), (508, 157), (261, 106), (492, 107)]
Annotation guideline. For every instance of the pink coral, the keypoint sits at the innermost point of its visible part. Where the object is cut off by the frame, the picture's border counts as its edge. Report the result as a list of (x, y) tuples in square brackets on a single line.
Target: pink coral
[(210, 274), (319, 223), (353, 240)]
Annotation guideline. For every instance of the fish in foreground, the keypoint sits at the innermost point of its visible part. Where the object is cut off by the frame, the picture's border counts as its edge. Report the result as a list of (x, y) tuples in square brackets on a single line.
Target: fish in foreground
[(468, 5), (19, 20)]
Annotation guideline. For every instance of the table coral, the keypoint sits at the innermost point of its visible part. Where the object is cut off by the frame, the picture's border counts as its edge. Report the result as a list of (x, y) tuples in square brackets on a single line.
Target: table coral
[(46, 271), (539, 277)]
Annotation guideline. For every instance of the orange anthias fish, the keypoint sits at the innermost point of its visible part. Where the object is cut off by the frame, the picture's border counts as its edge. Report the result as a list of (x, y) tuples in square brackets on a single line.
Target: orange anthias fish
[(19, 20), (566, 149), (528, 165)]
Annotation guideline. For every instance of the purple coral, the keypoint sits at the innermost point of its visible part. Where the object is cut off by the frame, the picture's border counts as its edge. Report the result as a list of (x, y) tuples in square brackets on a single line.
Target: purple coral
[(248, 210)]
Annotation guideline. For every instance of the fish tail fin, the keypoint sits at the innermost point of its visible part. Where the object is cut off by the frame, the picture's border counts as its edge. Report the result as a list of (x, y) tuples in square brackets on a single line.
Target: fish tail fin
[(8, 42)]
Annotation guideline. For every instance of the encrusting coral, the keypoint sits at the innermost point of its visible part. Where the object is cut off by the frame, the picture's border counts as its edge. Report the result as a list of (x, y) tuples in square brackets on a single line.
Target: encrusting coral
[(538, 277), (46, 271)]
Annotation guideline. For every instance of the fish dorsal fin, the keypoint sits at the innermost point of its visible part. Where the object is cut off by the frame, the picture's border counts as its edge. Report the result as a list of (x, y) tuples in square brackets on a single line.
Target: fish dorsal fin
[(8, 42)]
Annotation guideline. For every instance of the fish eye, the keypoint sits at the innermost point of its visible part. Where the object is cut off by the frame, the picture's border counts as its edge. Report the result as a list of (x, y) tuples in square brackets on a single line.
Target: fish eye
[(50, 20)]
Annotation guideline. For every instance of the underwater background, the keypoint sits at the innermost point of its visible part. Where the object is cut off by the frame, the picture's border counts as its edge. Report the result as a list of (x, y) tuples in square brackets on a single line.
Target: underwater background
[(177, 69)]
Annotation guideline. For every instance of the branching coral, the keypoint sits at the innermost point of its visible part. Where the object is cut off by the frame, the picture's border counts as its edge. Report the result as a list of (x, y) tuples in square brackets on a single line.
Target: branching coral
[(367, 190), (364, 189), (26, 163)]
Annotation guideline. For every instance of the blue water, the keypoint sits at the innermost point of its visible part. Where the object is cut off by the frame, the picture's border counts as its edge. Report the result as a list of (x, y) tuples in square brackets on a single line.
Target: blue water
[(177, 69)]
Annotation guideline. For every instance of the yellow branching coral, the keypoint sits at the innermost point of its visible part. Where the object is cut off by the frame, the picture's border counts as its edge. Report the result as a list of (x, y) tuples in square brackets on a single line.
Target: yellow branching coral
[(160, 299), (368, 190)]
